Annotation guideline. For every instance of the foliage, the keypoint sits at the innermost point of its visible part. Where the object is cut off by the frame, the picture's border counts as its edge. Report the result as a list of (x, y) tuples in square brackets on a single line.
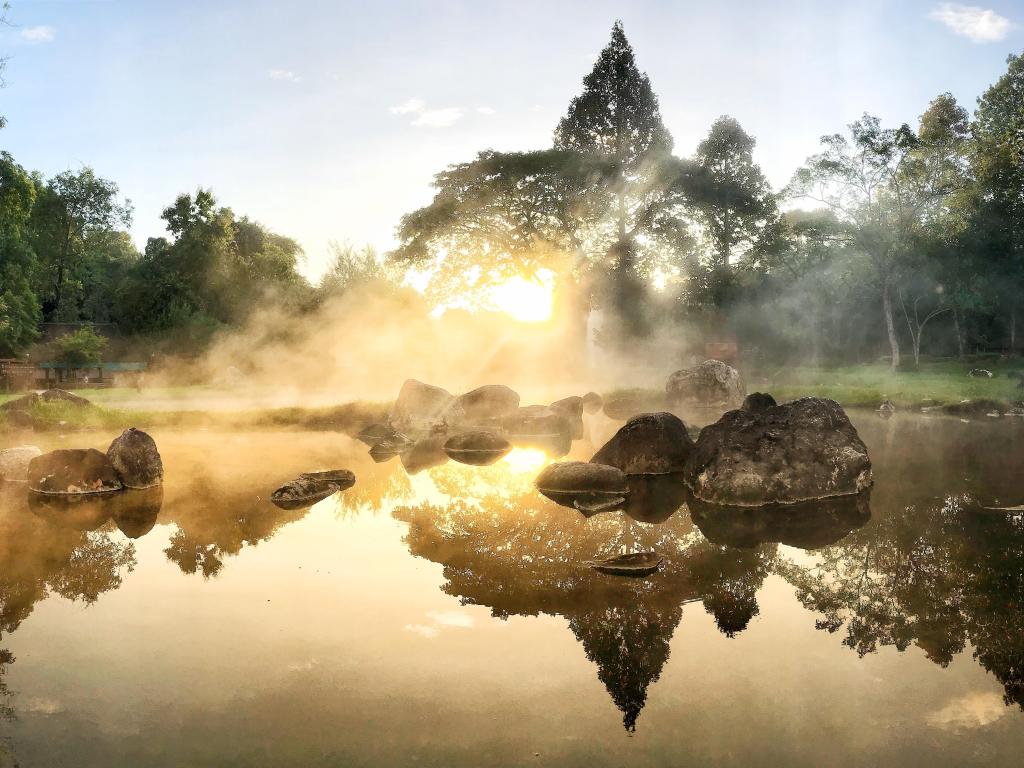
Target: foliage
[(81, 348), (19, 306)]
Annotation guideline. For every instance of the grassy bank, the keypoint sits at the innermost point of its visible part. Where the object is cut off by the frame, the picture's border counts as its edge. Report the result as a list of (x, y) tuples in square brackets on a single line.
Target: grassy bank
[(58, 415), (868, 385)]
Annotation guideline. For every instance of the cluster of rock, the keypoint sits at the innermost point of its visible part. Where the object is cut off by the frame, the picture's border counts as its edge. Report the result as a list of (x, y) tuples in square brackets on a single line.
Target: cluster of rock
[(82, 487), (759, 455), (428, 425), (132, 461)]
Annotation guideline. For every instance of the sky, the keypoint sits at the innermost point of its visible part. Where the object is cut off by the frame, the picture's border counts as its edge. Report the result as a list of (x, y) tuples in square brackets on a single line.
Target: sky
[(327, 120)]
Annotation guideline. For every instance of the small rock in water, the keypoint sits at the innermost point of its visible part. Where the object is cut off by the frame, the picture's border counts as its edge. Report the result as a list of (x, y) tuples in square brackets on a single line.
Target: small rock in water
[(887, 409), (537, 421), (478, 448), (756, 402), (14, 463), (136, 460), (572, 409), (592, 402), (310, 487), (585, 486), (635, 564), (72, 471), (650, 443), (376, 434)]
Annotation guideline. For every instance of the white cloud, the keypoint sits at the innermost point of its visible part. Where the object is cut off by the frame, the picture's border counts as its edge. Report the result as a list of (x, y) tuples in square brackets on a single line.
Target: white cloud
[(427, 118), (438, 118), (970, 712), (285, 76), (441, 620), (410, 105), (41, 34), (980, 25), (485, 110)]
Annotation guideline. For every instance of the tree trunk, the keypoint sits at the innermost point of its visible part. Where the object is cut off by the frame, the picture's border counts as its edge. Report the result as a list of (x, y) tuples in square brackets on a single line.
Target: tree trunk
[(1013, 329), (890, 327), (959, 334)]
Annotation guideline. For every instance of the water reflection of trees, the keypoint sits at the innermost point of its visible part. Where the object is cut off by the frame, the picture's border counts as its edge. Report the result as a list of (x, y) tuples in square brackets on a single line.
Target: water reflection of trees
[(938, 575), (505, 547), (40, 557)]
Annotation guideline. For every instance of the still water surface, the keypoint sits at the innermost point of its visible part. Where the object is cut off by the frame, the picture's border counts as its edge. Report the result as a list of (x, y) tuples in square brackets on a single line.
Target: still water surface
[(446, 617)]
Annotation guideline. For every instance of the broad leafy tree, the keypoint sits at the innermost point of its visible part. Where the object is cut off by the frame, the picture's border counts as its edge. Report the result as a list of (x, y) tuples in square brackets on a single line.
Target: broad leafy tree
[(19, 305)]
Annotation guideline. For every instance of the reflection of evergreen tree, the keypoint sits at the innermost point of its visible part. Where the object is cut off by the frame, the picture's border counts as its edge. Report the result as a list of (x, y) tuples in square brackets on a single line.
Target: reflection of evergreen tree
[(504, 546)]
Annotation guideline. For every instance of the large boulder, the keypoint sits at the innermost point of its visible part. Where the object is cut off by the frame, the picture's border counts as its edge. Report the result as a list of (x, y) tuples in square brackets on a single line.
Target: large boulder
[(572, 409), (592, 402), (14, 463), (136, 459), (483, 404), (648, 444), (419, 406), (72, 471), (798, 451), (711, 383), (588, 487), (310, 487)]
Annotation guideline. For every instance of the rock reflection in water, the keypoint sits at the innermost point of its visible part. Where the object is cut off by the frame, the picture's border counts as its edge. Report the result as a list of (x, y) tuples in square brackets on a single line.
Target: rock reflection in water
[(78, 560), (809, 525)]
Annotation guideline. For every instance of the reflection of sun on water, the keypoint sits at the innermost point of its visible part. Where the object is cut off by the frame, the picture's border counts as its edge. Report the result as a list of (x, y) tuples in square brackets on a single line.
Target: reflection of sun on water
[(527, 300), (525, 460)]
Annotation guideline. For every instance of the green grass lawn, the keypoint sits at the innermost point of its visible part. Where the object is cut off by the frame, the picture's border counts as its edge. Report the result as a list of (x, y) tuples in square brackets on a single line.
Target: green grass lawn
[(868, 385)]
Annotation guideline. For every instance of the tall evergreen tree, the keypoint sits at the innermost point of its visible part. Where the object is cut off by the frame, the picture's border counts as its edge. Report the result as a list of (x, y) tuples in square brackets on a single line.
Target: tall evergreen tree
[(616, 123)]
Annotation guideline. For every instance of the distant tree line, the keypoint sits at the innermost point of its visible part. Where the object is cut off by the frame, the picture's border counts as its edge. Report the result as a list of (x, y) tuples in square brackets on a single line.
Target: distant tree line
[(886, 233), (889, 240)]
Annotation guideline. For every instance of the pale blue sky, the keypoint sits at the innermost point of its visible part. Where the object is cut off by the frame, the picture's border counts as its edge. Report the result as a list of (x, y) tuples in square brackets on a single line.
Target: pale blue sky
[(326, 120)]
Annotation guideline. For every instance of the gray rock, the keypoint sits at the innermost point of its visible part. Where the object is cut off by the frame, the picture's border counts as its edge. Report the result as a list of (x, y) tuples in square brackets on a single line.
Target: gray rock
[(419, 406), (592, 402), (72, 471), (584, 485), (711, 383), (483, 404), (14, 463), (979, 373), (798, 451), (647, 444), (310, 487), (572, 409), (136, 459), (887, 409), (977, 408), (537, 421)]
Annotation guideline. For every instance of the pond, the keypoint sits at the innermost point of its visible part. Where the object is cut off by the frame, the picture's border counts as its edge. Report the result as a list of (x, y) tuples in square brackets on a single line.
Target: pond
[(447, 617)]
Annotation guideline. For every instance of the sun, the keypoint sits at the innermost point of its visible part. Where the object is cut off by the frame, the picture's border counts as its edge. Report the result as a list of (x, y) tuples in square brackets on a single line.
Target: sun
[(528, 300)]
